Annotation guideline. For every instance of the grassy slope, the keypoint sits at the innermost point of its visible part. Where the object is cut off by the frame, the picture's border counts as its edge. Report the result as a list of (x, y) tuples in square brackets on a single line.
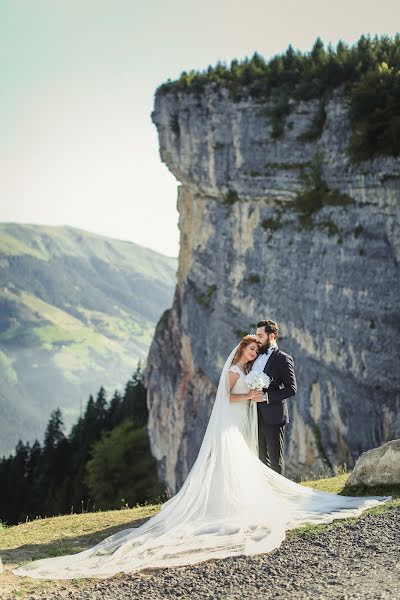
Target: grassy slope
[(72, 533), (77, 310)]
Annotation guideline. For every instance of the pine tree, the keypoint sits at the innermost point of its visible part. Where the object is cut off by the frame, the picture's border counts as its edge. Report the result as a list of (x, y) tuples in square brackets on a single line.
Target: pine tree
[(17, 486), (54, 431), (134, 400), (53, 465), (114, 410), (33, 505), (101, 411)]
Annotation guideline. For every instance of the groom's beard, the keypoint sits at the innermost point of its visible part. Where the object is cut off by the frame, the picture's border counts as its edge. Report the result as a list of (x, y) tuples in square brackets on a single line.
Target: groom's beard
[(266, 346)]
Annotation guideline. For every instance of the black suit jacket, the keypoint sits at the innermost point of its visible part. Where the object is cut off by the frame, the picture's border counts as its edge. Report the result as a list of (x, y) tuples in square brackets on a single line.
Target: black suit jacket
[(280, 367)]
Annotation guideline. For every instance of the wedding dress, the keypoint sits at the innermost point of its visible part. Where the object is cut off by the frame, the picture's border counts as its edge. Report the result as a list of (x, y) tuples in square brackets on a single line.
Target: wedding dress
[(230, 504)]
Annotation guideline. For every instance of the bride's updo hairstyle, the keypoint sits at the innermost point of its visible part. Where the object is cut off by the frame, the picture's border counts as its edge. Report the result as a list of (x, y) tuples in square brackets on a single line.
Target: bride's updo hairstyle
[(244, 342)]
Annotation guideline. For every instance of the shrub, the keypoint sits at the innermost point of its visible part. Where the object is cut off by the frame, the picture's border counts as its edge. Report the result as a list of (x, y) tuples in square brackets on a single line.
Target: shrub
[(271, 224), (317, 125), (278, 113), (231, 197), (205, 298), (316, 194), (122, 468), (375, 115)]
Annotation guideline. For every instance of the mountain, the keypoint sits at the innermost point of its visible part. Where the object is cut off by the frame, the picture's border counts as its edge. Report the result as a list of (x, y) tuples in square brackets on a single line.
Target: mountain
[(289, 210), (77, 311)]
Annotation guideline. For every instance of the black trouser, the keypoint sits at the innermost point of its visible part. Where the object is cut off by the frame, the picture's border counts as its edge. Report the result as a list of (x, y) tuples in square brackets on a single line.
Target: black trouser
[(271, 440)]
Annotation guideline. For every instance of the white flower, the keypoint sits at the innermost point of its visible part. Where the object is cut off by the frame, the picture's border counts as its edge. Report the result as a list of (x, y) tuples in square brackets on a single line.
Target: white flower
[(257, 381)]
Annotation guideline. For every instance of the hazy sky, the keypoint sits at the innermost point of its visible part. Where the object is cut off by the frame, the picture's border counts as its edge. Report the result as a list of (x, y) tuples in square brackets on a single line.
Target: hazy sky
[(77, 79)]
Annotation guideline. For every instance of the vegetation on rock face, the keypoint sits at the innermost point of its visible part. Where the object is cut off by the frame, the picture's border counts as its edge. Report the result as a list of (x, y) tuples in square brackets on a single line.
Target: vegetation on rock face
[(254, 278), (317, 194), (174, 124), (231, 197), (105, 462), (368, 73), (205, 298), (375, 113), (271, 224), (320, 447), (317, 125)]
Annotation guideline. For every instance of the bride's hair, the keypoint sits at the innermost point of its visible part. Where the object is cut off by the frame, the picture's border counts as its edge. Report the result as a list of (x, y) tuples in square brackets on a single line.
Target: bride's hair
[(244, 342)]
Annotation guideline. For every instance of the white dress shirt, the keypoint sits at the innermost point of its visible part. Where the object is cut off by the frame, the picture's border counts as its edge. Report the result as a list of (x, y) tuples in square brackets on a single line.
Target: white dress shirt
[(262, 359), (259, 365)]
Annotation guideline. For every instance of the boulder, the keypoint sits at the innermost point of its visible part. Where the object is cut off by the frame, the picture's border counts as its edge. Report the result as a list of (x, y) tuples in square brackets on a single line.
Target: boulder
[(379, 466)]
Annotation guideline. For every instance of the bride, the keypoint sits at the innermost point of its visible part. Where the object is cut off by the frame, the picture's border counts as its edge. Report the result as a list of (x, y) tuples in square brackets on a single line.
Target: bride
[(230, 504)]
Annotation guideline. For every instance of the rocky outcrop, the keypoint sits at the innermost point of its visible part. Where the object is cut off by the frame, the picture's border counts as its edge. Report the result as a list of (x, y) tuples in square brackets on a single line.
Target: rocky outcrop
[(249, 250), (379, 466)]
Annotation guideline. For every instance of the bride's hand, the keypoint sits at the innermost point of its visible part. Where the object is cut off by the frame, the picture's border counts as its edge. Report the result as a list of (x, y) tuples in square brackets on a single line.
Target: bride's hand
[(257, 396)]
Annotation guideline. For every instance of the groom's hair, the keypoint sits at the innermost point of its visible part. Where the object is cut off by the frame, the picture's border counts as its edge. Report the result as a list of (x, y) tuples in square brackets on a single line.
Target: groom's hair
[(269, 326)]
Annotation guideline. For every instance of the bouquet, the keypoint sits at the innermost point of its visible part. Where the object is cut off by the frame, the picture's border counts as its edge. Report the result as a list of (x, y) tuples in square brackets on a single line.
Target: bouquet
[(258, 381)]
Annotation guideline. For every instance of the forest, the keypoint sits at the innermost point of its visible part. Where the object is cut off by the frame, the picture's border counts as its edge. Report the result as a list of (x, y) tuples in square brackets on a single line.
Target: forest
[(367, 73), (104, 462)]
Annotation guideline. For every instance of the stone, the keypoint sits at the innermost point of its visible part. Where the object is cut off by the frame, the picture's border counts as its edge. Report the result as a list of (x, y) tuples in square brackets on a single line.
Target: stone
[(333, 284), (379, 466)]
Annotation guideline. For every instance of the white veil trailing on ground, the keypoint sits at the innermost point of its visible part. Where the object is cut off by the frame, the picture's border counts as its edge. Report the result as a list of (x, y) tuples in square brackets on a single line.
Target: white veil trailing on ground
[(230, 504)]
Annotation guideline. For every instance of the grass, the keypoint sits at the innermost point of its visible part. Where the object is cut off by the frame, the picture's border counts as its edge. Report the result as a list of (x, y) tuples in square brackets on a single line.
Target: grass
[(56, 536), (337, 485), (72, 340), (332, 485), (68, 534)]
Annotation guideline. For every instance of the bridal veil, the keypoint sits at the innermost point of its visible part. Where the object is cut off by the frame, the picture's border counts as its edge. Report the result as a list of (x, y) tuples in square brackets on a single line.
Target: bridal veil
[(229, 504)]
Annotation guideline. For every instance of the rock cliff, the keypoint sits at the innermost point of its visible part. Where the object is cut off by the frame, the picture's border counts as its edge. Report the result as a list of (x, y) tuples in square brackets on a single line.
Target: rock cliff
[(253, 246)]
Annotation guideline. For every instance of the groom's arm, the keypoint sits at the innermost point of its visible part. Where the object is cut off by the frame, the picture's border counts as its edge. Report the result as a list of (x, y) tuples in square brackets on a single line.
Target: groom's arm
[(289, 387)]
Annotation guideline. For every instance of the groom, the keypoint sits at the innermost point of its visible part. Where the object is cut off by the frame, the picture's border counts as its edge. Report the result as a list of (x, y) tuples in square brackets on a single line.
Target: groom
[(273, 413)]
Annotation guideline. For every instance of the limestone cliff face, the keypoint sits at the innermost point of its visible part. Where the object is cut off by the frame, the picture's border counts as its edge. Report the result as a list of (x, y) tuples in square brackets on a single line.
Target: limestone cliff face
[(333, 285)]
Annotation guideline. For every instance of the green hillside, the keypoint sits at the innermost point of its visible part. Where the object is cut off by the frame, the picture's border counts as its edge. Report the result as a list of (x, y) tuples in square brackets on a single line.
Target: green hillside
[(77, 310)]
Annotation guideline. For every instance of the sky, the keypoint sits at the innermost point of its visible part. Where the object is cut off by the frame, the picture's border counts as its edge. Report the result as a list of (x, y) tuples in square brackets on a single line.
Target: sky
[(77, 83)]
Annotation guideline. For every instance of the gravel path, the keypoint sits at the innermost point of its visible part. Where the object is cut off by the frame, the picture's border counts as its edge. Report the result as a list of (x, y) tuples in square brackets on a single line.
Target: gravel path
[(355, 560)]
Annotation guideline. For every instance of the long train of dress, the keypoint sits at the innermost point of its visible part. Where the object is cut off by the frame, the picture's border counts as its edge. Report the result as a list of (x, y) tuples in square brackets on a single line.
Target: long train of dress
[(230, 504)]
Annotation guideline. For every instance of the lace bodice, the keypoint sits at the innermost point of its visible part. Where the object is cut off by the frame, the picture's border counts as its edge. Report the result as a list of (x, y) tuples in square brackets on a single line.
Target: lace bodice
[(240, 386), (239, 411)]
